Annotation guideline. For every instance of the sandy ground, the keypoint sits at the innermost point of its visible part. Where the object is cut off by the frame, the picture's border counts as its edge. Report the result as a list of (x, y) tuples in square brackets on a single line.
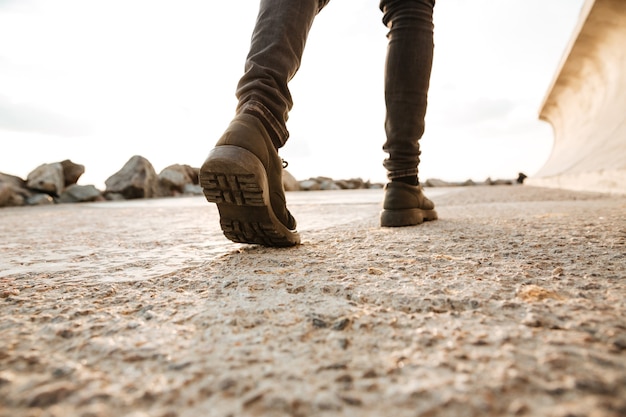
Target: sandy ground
[(513, 303)]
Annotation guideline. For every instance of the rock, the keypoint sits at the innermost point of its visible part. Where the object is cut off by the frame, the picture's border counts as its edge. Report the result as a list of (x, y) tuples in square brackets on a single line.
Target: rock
[(136, 179), (489, 181), (80, 194), (9, 196), (192, 189), (345, 185), (114, 197), (48, 178), (16, 182), (309, 185), (325, 183), (40, 199), (329, 185), (13, 191), (435, 182), (174, 178), (351, 184), (71, 172), (289, 182)]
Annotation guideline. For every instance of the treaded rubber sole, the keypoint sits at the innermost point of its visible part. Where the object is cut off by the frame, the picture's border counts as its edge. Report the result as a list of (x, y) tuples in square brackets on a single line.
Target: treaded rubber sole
[(408, 217), (236, 180)]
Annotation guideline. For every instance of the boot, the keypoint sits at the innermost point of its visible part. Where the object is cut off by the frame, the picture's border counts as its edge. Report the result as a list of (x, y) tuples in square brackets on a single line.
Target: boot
[(243, 176), (407, 78), (405, 205), (243, 173)]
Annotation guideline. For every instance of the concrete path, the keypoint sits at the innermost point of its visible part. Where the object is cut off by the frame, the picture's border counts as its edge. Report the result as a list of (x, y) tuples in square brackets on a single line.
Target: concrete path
[(513, 303)]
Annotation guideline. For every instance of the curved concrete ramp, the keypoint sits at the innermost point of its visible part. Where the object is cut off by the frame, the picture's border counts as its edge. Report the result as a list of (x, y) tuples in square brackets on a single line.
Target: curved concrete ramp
[(586, 105)]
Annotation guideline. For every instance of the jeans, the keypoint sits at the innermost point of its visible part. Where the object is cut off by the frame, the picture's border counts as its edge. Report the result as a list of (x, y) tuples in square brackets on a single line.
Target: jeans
[(276, 48)]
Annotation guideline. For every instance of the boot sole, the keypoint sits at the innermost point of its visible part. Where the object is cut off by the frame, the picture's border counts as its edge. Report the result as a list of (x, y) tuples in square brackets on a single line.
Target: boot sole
[(235, 179), (408, 217)]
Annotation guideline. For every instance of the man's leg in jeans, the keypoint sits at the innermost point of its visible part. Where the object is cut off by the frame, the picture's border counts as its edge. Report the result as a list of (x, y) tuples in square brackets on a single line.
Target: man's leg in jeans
[(243, 173), (407, 78)]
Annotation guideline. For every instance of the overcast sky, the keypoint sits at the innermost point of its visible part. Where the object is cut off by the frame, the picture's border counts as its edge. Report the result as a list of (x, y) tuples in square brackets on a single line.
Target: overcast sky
[(100, 81)]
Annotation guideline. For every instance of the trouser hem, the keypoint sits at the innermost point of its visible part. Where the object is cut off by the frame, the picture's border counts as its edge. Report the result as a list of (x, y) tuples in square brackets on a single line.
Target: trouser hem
[(276, 130)]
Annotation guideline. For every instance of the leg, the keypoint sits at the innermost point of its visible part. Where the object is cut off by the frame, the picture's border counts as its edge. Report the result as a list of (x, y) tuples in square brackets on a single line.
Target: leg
[(407, 78), (275, 53), (243, 173)]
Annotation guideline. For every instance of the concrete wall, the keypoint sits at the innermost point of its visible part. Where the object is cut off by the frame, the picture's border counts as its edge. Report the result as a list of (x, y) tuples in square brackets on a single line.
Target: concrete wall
[(586, 105)]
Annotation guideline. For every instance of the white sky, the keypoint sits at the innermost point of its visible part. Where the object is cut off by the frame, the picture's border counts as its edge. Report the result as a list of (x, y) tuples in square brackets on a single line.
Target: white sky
[(100, 81)]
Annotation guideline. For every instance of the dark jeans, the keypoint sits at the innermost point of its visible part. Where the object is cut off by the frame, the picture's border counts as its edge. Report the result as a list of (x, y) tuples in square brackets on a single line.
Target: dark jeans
[(276, 49)]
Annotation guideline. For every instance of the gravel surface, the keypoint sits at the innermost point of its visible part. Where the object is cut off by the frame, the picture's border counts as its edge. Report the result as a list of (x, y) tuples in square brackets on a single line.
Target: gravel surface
[(513, 303)]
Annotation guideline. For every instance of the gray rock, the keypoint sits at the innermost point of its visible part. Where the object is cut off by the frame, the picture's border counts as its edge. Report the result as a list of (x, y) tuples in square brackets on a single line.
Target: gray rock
[(489, 181), (329, 185), (136, 179), (114, 197), (325, 183), (48, 178), (80, 194), (192, 189), (351, 184), (309, 185), (40, 199)]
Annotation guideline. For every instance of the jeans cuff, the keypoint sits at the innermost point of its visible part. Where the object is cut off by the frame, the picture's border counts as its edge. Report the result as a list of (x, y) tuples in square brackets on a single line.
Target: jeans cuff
[(277, 130), (402, 173)]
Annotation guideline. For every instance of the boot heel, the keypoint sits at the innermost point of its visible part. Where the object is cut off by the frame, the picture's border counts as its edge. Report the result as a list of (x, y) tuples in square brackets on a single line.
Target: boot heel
[(234, 175), (400, 218)]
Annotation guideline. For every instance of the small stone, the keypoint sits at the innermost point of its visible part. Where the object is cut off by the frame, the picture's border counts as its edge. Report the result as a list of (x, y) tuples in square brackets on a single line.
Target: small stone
[(180, 366), (531, 320), (355, 402), (252, 399), (344, 343), (370, 374), (65, 333), (62, 371), (9, 293), (319, 323), (341, 324), (227, 383)]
